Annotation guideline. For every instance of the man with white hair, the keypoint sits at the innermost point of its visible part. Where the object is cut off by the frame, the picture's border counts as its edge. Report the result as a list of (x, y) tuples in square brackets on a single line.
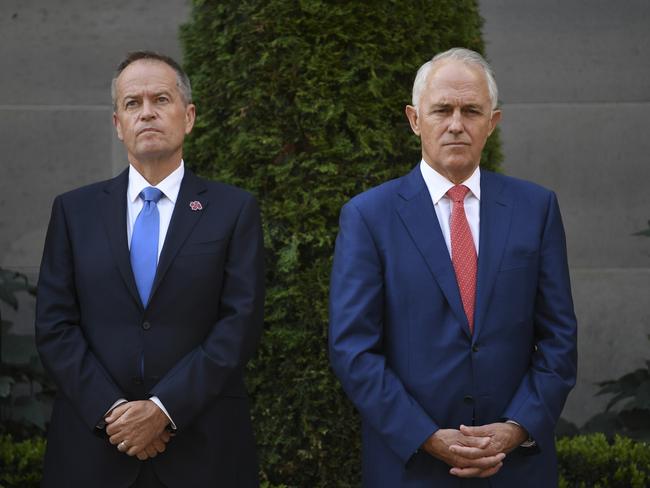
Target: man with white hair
[(451, 320)]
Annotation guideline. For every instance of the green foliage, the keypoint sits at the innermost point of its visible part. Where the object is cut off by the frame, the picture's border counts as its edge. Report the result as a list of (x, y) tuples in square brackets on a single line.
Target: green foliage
[(21, 463), (25, 391), (302, 103), (590, 461)]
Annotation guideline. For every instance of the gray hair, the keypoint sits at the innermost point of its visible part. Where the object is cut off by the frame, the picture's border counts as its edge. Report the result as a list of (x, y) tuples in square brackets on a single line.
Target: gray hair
[(459, 54), (182, 80)]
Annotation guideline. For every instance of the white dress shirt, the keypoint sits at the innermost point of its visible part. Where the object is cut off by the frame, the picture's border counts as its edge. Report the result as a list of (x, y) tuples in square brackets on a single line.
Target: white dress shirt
[(169, 187), (438, 187)]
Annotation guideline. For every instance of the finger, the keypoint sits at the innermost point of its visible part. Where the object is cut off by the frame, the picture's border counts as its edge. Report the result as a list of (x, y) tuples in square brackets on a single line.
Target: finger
[(477, 430), (159, 445), (475, 472), (133, 450), (490, 472), (151, 451), (113, 429), (165, 436), (117, 412), (142, 456), (474, 441), (482, 463), (116, 439), (470, 452), (465, 472)]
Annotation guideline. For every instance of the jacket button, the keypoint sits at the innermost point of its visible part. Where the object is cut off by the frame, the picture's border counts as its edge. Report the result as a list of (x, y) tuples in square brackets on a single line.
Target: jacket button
[(146, 325), (469, 399), (474, 348)]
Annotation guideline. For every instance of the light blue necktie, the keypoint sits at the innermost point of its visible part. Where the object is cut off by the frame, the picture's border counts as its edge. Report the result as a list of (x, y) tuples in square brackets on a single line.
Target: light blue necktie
[(144, 242)]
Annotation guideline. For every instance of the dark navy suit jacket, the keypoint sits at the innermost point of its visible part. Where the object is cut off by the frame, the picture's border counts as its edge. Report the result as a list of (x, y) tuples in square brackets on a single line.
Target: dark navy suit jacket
[(400, 341), (201, 325)]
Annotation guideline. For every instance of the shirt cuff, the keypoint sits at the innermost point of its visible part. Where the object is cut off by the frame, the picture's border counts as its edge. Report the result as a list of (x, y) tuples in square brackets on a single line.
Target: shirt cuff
[(530, 442), (102, 423), (157, 401)]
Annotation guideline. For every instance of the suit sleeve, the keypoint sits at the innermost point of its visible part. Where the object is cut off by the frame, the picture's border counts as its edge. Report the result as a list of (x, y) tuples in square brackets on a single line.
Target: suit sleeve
[(540, 397), (200, 377), (59, 337), (356, 336)]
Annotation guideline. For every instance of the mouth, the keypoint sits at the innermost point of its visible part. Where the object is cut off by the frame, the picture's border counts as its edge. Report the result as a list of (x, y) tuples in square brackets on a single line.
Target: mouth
[(147, 130), (455, 145)]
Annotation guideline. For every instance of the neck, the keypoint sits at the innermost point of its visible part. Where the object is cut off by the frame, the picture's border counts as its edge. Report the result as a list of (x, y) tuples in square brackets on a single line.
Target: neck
[(155, 170)]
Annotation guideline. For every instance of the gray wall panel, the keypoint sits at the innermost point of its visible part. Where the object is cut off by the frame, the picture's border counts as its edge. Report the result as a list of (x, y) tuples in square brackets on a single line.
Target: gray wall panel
[(591, 155), (64, 51), (569, 50), (612, 305), (52, 151)]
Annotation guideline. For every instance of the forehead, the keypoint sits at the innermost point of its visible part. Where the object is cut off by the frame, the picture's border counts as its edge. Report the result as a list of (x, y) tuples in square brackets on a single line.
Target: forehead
[(455, 80), (146, 74)]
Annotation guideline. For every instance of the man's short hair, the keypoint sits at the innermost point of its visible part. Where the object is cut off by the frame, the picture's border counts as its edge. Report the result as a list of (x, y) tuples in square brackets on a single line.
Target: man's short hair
[(182, 80), (459, 54)]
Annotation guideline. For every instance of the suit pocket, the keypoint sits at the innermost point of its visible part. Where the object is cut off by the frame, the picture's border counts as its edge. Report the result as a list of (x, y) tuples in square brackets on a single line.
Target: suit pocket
[(519, 260), (194, 248)]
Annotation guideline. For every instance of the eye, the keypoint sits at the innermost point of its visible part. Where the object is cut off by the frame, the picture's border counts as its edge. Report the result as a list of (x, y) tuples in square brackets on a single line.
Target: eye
[(162, 99), (472, 111), (130, 104), (440, 110)]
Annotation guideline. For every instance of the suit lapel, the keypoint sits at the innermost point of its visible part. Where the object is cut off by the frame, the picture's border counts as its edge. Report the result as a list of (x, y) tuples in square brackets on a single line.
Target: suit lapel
[(496, 214), (419, 217), (113, 208), (183, 221)]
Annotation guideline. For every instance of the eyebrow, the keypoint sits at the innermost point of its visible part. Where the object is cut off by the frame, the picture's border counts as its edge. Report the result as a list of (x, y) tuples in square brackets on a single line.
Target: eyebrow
[(443, 105), (155, 94)]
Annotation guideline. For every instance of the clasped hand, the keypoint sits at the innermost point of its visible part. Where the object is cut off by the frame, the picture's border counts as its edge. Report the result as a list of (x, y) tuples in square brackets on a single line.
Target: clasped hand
[(140, 426), (475, 452)]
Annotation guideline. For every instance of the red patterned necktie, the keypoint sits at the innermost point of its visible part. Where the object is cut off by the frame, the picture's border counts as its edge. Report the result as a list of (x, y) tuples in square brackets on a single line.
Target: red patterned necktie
[(463, 252)]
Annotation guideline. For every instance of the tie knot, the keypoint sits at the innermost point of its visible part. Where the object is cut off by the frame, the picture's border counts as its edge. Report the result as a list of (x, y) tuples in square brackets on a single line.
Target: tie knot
[(457, 193), (151, 194)]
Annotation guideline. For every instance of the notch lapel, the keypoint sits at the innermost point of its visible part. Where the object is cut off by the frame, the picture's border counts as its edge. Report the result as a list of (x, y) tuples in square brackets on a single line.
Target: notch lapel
[(182, 222), (496, 215), (113, 209), (419, 218)]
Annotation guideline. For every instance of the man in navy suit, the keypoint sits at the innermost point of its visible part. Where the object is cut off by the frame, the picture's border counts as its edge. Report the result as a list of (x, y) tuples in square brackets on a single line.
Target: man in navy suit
[(150, 303), (451, 320)]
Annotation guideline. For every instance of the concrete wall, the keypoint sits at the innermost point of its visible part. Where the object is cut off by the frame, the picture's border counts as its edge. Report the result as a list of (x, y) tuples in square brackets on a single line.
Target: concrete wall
[(573, 79), (574, 88)]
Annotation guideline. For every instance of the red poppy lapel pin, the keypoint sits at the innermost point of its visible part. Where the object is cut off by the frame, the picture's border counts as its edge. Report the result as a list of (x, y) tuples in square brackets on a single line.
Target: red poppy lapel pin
[(196, 205)]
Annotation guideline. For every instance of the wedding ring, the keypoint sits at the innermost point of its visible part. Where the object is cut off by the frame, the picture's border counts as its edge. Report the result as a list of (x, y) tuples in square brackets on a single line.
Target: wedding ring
[(121, 446)]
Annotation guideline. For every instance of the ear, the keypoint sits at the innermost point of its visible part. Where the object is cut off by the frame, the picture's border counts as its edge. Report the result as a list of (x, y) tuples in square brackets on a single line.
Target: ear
[(190, 117), (118, 126), (494, 120), (412, 115)]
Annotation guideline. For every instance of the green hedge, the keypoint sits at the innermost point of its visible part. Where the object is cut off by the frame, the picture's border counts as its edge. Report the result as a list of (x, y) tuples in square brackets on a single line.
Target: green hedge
[(21, 462), (302, 103), (585, 462), (590, 461)]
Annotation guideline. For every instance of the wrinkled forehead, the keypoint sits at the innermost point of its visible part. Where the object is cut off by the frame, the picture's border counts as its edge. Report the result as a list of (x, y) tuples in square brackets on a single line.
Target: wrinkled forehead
[(456, 81), (146, 75)]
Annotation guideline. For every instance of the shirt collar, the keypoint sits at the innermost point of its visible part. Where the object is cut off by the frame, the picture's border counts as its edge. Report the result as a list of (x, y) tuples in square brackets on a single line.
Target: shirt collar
[(170, 186), (438, 185)]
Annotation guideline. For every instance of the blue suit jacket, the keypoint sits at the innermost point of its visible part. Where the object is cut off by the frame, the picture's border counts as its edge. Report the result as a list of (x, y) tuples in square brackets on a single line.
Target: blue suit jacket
[(201, 325), (400, 341)]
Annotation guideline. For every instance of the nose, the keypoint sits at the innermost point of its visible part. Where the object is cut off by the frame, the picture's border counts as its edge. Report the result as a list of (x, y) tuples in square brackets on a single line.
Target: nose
[(148, 112), (456, 123)]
